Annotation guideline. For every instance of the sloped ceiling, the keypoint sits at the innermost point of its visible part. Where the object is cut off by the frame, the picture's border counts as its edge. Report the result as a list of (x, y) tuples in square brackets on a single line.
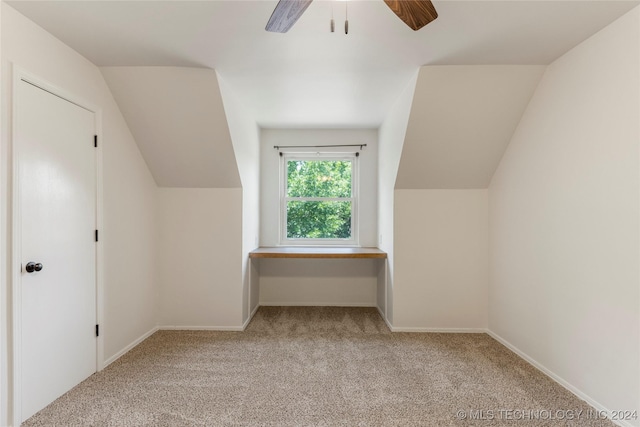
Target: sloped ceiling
[(310, 77), (461, 121), (177, 117), (463, 113)]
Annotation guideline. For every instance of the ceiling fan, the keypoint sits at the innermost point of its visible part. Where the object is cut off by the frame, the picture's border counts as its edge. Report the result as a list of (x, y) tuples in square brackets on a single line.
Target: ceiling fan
[(415, 13)]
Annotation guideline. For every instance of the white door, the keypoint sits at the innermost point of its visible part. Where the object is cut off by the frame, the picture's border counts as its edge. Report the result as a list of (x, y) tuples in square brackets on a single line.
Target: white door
[(57, 204)]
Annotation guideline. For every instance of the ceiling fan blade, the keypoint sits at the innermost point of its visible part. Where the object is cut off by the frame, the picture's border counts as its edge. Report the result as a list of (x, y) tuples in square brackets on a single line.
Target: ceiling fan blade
[(415, 13), (286, 13)]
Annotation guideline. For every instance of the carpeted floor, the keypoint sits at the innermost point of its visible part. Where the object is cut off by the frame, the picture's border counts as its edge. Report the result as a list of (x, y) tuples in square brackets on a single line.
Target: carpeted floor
[(317, 366)]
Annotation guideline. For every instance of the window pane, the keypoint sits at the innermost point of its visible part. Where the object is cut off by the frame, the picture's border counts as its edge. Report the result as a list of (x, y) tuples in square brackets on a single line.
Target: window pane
[(318, 220), (319, 178)]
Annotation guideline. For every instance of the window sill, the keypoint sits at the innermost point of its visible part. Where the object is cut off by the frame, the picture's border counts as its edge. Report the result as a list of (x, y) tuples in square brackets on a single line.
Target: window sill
[(317, 252)]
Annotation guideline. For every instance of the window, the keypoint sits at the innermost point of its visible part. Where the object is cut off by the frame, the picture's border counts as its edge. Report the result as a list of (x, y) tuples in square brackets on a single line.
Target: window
[(319, 199)]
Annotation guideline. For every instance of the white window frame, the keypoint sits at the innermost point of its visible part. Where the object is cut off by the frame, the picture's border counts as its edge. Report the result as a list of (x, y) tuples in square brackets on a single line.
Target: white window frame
[(353, 158)]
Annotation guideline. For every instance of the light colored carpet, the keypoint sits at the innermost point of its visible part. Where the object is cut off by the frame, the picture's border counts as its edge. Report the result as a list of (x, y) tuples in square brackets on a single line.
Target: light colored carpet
[(316, 366)]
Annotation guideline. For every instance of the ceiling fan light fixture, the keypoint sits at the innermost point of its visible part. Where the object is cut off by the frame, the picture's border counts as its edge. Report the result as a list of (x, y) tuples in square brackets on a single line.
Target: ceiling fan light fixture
[(346, 17), (414, 13)]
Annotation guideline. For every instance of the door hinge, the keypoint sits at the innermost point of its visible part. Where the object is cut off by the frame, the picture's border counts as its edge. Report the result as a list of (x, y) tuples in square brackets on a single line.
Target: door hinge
[(96, 235), (95, 140), (97, 330)]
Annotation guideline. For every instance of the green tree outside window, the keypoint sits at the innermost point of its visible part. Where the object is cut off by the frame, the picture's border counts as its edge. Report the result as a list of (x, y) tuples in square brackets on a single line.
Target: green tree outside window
[(319, 199)]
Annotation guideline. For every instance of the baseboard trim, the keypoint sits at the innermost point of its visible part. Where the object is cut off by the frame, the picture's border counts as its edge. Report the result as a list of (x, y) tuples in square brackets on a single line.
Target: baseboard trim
[(579, 394), (386, 321), (389, 325), (129, 347), (201, 328), (317, 304), (440, 330), (246, 323)]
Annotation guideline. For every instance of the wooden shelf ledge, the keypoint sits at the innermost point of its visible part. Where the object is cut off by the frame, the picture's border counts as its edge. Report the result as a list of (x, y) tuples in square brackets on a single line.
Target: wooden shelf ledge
[(316, 252)]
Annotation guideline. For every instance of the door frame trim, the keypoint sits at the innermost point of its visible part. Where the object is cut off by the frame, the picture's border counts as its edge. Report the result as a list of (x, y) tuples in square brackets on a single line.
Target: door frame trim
[(15, 388)]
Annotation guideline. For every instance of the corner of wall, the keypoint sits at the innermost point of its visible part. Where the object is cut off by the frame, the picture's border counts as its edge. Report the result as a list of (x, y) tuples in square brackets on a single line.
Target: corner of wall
[(391, 136), (564, 268), (245, 137)]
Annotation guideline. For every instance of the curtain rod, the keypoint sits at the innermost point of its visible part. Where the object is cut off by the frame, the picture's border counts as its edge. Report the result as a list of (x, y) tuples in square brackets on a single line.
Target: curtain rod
[(277, 147)]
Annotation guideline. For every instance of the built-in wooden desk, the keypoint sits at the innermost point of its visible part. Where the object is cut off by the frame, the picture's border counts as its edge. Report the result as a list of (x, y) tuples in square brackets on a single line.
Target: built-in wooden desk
[(316, 252), (319, 253)]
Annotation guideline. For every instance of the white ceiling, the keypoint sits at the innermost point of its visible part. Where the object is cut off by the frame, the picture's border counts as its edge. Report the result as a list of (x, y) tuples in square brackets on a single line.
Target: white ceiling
[(462, 119), (310, 77), (177, 118)]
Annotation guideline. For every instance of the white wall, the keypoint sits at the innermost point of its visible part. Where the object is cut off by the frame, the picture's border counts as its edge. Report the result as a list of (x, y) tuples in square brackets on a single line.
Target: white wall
[(326, 282), (5, 249), (318, 282), (128, 234), (390, 141), (199, 265), (221, 150), (441, 259), (245, 136), (564, 221)]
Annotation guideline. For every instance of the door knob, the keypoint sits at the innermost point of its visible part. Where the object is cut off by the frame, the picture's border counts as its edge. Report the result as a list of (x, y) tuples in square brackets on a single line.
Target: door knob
[(32, 266)]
